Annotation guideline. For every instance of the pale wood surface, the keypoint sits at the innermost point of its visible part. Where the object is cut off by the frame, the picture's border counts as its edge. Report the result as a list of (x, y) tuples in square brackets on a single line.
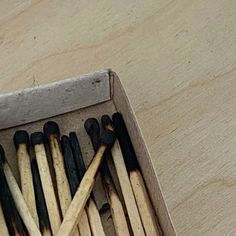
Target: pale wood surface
[(177, 62)]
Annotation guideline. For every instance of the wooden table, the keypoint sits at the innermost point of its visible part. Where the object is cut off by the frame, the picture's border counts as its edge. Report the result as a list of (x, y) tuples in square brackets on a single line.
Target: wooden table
[(177, 61)]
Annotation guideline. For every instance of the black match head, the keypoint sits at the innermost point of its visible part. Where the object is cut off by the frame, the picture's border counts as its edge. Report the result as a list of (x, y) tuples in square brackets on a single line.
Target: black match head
[(106, 121), (37, 138), (51, 128), (21, 137), (2, 155), (91, 126), (107, 138)]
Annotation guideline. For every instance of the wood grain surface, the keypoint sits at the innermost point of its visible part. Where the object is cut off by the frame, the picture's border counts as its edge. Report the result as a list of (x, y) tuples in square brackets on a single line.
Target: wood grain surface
[(177, 62)]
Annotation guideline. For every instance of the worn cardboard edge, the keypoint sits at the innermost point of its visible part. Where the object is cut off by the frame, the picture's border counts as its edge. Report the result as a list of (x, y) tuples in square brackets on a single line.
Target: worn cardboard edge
[(62, 96), (122, 105)]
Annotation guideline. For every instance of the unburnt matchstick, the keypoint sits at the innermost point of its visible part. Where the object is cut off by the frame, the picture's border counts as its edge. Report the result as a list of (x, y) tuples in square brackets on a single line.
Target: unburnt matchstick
[(73, 179), (3, 226), (118, 215), (37, 141), (145, 207), (91, 207), (52, 133), (126, 188), (17, 196), (21, 141), (83, 192), (43, 217)]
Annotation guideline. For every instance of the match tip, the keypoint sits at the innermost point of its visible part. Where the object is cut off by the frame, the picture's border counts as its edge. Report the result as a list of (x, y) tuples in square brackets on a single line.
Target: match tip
[(107, 138), (51, 128), (91, 126), (21, 137), (106, 120), (37, 138), (117, 116), (2, 155)]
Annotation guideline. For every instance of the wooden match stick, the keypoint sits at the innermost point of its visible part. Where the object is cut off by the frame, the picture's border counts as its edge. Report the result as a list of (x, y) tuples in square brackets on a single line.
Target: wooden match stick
[(37, 141), (126, 188), (73, 179), (14, 223), (3, 226), (17, 196), (91, 207), (21, 141), (145, 207), (83, 192), (44, 222), (118, 215), (52, 133)]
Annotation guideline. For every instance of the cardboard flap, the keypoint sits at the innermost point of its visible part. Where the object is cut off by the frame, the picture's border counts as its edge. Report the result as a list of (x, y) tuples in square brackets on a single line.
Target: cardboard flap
[(49, 100)]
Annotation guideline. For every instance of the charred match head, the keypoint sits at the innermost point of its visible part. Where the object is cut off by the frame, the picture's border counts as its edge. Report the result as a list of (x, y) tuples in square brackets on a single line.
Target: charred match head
[(2, 155), (125, 142), (107, 138), (70, 166), (106, 122), (51, 128), (92, 128), (21, 137), (78, 157), (37, 138)]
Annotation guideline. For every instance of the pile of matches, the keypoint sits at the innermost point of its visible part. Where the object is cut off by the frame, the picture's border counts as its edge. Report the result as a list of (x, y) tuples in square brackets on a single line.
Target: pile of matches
[(61, 202)]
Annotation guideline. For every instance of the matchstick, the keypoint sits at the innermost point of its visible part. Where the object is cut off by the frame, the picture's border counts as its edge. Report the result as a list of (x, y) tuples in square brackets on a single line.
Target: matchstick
[(37, 141), (91, 207), (83, 192), (21, 141), (73, 179), (126, 188), (17, 196), (145, 207), (3, 226), (14, 223), (44, 222), (118, 215), (52, 133)]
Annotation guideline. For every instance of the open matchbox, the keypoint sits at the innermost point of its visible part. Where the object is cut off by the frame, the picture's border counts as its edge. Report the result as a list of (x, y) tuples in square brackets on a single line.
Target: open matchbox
[(70, 102)]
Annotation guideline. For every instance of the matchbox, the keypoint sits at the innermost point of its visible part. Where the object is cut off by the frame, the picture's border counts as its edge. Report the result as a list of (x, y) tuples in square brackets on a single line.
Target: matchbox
[(70, 102)]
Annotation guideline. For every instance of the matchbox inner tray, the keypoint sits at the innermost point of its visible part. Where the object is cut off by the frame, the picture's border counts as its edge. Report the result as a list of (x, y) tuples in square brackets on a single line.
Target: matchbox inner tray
[(70, 102)]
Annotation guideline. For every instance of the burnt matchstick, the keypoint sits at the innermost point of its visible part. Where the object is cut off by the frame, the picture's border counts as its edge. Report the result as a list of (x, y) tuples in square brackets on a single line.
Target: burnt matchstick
[(145, 207), (52, 133), (3, 226), (17, 196), (44, 222), (126, 188), (118, 215), (14, 223), (73, 179), (82, 194), (21, 141), (37, 141), (91, 207)]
